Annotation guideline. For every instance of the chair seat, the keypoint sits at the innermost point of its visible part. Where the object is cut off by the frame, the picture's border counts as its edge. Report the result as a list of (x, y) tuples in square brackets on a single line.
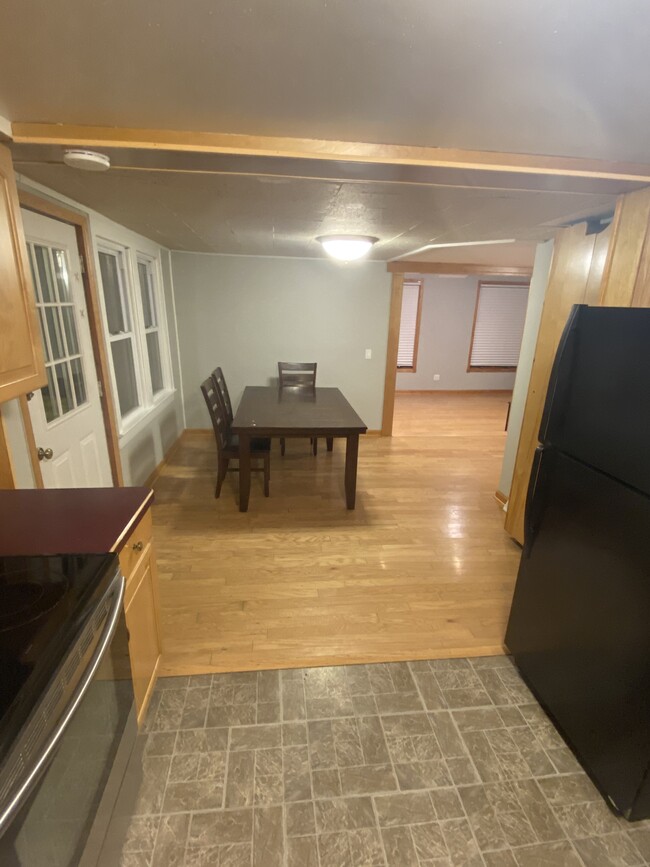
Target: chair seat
[(259, 444)]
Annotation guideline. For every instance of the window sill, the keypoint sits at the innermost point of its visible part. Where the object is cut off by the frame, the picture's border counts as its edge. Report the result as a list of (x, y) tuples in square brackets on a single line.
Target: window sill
[(491, 369), (406, 370), (141, 418)]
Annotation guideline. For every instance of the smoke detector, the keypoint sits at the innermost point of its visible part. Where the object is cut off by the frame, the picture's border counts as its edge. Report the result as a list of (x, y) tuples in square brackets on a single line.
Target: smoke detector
[(89, 161)]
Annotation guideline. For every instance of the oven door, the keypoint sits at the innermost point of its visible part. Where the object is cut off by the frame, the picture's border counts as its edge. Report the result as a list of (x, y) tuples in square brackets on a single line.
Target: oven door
[(64, 799)]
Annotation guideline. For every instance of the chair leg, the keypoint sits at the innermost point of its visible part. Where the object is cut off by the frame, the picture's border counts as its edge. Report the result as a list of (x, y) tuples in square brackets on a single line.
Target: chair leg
[(221, 475), (267, 473), (283, 444), (315, 445)]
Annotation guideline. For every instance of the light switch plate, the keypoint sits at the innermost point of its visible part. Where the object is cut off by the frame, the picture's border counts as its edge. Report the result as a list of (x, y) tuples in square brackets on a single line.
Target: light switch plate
[(368, 354)]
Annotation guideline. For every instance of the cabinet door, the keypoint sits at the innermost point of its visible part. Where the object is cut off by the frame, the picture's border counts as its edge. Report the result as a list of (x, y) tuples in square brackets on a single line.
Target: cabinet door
[(144, 641), (21, 353)]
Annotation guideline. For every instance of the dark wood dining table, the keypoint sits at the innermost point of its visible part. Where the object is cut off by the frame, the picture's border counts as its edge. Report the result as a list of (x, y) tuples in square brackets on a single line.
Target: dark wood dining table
[(317, 412)]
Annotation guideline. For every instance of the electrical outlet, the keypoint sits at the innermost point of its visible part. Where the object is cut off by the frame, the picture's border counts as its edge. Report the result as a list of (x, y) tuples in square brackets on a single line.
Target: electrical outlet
[(368, 354), (436, 377)]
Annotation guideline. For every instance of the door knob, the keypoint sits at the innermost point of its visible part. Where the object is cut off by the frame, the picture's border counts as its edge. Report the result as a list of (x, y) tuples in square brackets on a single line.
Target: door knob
[(45, 454)]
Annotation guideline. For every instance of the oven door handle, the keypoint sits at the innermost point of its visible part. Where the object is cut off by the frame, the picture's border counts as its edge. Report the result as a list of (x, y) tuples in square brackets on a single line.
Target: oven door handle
[(32, 775)]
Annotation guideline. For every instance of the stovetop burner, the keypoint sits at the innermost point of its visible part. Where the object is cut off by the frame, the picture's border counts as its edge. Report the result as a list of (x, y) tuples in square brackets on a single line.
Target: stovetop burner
[(43, 602), (25, 602)]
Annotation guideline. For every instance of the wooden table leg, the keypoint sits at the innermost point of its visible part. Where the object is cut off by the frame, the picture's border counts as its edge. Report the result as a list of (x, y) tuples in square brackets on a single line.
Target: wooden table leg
[(330, 443), (351, 456), (244, 471)]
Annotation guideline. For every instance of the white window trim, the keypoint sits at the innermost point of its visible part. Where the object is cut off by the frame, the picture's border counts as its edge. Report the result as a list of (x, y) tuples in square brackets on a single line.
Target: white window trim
[(161, 327), (148, 403)]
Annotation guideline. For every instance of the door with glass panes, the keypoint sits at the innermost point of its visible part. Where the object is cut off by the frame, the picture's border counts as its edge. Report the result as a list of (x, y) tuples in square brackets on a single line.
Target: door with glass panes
[(66, 414)]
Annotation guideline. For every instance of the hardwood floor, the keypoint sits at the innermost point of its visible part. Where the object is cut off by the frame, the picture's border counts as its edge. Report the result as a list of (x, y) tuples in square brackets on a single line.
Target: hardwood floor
[(421, 569)]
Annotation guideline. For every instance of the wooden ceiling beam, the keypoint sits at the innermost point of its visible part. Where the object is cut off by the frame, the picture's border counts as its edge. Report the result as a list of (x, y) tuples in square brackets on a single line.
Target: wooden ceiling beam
[(405, 267), (72, 135)]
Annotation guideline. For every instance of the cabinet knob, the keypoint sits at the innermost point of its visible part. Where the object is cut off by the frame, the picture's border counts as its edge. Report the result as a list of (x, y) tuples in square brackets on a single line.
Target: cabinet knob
[(138, 546)]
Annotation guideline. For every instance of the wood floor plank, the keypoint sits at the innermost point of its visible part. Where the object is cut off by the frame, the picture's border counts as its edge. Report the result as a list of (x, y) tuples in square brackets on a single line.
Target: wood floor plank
[(421, 569)]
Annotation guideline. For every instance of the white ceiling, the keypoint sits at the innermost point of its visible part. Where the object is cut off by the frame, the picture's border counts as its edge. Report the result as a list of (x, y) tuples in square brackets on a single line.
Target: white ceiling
[(281, 216), (549, 77), (567, 77)]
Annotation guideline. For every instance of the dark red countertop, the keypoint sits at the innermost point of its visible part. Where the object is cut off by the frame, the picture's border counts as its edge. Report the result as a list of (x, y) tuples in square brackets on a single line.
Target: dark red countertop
[(69, 521)]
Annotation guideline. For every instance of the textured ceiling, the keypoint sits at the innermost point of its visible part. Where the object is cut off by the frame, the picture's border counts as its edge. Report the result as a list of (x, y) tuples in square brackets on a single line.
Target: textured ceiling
[(567, 77), (281, 216)]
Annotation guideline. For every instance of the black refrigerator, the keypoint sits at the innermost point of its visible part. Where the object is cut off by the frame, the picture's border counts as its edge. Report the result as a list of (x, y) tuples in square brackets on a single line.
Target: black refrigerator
[(579, 627)]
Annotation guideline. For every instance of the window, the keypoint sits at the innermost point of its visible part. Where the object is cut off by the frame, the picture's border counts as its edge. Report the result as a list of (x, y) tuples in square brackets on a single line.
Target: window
[(134, 321), (409, 326), (120, 330), (151, 327), (66, 384), (498, 326)]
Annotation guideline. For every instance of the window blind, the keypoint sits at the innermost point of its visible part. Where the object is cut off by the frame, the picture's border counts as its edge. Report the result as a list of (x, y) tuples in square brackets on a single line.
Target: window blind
[(408, 324), (499, 325)]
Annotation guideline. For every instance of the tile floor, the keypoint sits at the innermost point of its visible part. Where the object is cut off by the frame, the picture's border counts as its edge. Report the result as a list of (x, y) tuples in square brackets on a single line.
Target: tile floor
[(422, 764)]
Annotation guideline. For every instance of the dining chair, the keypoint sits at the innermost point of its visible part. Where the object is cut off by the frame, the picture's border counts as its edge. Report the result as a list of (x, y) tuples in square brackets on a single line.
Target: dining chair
[(220, 382), (228, 444), (298, 376)]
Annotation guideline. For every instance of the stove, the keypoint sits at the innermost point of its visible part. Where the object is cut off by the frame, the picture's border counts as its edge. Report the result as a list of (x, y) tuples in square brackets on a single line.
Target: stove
[(66, 706), (44, 603)]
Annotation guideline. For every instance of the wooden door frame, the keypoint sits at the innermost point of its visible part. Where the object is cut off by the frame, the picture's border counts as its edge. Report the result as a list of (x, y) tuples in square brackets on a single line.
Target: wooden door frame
[(81, 224), (399, 271), (390, 383)]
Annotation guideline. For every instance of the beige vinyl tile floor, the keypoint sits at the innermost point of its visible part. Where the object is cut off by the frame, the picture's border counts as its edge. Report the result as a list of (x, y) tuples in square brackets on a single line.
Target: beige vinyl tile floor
[(422, 764)]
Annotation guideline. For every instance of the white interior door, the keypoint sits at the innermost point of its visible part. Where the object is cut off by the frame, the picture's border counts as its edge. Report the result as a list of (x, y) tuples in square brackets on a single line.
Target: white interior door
[(66, 413)]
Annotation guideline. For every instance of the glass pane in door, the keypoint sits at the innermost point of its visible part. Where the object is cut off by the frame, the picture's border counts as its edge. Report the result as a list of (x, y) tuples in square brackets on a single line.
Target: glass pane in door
[(66, 385), (48, 393), (61, 273), (78, 380), (44, 278)]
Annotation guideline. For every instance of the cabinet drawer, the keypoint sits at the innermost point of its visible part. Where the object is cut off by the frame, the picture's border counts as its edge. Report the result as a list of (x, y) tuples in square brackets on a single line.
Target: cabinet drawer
[(136, 546)]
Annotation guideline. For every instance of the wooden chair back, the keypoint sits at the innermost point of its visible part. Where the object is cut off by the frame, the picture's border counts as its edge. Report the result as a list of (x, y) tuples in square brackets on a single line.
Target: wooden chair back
[(217, 412), (220, 382), (301, 374)]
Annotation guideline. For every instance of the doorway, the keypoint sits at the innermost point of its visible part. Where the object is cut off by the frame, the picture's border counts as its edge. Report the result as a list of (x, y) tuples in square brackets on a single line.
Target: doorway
[(66, 414)]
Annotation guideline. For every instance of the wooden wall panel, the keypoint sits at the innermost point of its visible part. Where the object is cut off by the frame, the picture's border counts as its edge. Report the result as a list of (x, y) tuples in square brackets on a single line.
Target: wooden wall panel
[(597, 269), (391, 354), (641, 297), (630, 228), (567, 285)]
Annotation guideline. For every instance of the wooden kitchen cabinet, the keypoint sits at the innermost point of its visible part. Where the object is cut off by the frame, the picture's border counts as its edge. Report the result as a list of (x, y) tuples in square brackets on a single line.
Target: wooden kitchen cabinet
[(141, 606), (22, 367)]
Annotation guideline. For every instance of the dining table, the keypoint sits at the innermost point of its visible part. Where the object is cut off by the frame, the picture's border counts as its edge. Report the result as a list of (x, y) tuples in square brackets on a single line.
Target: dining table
[(270, 411)]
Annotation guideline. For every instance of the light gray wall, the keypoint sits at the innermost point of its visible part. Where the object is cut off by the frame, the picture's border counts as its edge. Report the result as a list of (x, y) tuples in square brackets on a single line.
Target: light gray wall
[(448, 305), (246, 313), (538, 283), (17, 443)]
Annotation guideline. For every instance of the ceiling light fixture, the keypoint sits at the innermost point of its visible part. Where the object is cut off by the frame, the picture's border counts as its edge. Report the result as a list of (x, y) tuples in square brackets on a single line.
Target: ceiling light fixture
[(89, 161), (347, 247)]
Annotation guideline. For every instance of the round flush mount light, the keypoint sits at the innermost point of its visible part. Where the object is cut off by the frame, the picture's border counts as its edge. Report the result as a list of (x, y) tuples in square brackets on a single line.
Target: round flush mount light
[(88, 161), (347, 247)]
